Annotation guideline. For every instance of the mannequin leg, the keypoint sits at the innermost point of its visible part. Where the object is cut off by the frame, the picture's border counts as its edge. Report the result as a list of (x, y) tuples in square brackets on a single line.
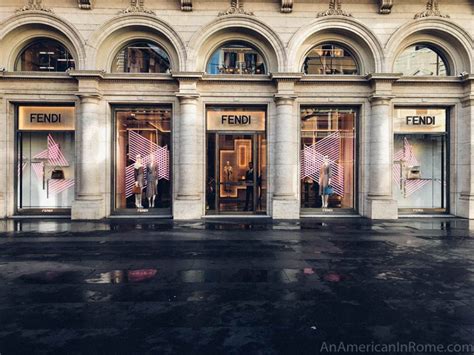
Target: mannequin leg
[(137, 204), (140, 201), (322, 201), (153, 200), (149, 202)]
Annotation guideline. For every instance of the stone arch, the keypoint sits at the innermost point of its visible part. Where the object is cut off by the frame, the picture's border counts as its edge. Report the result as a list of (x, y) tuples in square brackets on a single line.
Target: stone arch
[(345, 31), (114, 34), (20, 30), (236, 28), (454, 43)]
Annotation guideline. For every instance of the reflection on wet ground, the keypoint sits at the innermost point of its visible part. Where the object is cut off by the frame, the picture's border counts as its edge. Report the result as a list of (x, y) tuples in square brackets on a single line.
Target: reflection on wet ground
[(231, 287)]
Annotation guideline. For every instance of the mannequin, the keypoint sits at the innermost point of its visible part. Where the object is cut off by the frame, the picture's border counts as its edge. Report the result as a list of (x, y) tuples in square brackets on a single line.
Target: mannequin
[(324, 181), (151, 182), (228, 172), (139, 180)]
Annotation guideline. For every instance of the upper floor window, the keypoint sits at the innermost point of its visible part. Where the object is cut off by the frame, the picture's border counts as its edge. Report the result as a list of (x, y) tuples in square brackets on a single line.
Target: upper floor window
[(141, 57), (45, 55), (330, 59), (236, 58), (421, 60)]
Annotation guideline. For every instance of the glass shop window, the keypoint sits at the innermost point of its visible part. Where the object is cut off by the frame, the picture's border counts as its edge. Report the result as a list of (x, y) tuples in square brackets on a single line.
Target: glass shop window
[(330, 59), (45, 158), (141, 57), (236, 58), (142, 158), (420, 160), (327, 157), (421, 60), (45, 55)]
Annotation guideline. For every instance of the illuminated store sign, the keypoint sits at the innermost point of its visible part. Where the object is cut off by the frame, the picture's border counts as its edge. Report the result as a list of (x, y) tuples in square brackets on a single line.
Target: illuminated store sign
[(419, 120), (43, 118), (236, 120)]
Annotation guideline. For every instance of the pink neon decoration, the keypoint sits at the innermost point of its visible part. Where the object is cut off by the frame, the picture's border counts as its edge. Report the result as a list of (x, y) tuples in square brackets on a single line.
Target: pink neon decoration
[(137, 144), (312, 159)]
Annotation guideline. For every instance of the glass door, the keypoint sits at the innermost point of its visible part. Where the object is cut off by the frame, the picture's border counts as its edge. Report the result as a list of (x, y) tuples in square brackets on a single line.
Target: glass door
[(236, 181)]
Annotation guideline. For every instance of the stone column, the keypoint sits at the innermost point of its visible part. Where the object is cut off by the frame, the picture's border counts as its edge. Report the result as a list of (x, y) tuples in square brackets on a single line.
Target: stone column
[(3, 158), (188, 204), (464, 165), (90, 160), (285, 203), (381, 204)]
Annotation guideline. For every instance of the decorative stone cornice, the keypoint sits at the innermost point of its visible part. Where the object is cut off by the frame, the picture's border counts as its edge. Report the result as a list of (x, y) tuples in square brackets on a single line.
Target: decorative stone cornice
[(187, 75), (432, 9), (284, 99), (89, 95), (34, 5), (187, 5), (137, 6), (286, 6), (385, 6), (236, 8), (87, 74), (335, 9), (381, 87), (85, 4), (282, 76), (382, 77)]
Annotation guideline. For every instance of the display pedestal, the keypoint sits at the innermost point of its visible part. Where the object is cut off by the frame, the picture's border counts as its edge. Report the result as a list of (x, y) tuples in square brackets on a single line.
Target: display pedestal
[(187, 209), (285, 209), (382, 208), (88, 209)]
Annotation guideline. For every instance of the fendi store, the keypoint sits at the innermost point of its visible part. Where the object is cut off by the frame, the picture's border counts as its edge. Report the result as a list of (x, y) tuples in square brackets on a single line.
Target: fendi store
[(211, 110)]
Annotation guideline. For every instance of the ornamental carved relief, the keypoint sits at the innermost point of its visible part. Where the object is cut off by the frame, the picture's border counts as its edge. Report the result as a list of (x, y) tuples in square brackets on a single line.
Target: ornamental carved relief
[(187, 5), (34, 5), (85, 4), (236, 8), (385, 6), (286, 6), (335, 9), (137, 6), (432, 9)]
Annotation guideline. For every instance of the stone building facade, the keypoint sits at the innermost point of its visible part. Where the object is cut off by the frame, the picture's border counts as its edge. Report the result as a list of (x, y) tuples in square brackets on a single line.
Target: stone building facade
[(157, 108)]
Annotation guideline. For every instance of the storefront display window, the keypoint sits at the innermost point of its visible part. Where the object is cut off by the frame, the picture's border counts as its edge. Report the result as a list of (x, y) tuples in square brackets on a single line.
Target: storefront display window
[(141, 57), (421, 60), (236, 160), (143, 143), (419, 163), (236, 58), (45, 55), (330, 59), (327, 158), (46, 158)]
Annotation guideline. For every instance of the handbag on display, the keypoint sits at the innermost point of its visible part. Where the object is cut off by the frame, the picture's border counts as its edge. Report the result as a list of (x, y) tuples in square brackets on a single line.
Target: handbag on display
[(136, 189), (414, 173), (57, 174)]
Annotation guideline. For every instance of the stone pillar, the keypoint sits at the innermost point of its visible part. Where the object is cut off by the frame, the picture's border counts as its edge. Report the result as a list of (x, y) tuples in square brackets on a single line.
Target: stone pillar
[(464, 165), (285, 203), (3, 158), (380, 202), (188, 204), (90, 160)]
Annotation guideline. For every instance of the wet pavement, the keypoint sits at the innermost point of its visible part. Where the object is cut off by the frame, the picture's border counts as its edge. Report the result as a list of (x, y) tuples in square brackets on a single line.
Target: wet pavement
[(229, 287)]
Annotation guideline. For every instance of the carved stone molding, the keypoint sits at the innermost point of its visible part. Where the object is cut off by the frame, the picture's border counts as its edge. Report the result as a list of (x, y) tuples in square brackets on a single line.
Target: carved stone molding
[(187, 5), (287, 6), (85, 4), (335, 8), (34, 5), (236, 8), (385, 6), (137, 6), (432, 9)]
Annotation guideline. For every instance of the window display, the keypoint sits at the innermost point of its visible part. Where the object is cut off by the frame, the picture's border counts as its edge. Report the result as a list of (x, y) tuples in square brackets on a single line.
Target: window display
[(419, 163), (46, 158), (327, 157), (143, 142)]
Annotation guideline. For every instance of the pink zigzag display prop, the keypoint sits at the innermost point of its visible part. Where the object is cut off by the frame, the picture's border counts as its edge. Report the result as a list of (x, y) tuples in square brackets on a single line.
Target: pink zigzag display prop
[(312, 159), (57, 186), (137, 144)]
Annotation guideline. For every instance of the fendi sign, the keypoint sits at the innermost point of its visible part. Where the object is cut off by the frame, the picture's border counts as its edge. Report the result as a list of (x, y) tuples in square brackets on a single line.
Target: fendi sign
[(46, 118), (236, 120), (419, 120)]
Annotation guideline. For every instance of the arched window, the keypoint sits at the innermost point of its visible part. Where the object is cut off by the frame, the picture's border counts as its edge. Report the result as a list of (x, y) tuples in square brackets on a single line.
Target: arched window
[(45, 54), (141, 57), (236, 58), (330, 59), (421, 60)]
